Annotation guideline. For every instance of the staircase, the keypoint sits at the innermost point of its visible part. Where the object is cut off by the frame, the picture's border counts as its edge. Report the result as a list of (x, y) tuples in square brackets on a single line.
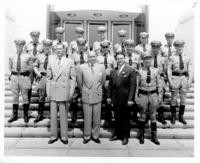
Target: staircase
[(19, 129)]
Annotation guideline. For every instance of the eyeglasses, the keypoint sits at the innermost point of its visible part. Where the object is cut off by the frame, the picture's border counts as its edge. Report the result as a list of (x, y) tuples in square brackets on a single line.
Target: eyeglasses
[(105, 47)]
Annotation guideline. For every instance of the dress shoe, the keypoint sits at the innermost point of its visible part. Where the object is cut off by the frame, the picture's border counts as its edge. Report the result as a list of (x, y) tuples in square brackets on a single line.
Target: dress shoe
[(51, 141), (114, 138), (125, 141), (64, 141), (85, 141), (96, 140)]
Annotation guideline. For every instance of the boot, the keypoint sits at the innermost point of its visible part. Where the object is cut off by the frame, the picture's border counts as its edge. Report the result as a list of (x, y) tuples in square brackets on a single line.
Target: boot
[(26, 107), (14, 114), (154, 133), (40, 112), (141, 132), (161, 116), (173, 113), (181, 113)]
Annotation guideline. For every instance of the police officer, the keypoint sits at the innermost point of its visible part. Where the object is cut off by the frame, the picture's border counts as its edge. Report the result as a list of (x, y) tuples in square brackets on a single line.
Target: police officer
[(148, 97), (20, 66), (73, 47), (180, 78), (168, 49), (79, 57), (109, 62), (59, 40), (33, 48), (122, 36), (131, 58), (159, 62), (143, 47), (40, 67)]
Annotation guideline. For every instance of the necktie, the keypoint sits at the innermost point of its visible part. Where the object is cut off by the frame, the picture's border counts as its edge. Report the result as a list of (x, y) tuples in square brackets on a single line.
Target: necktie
[(46, 62), (81, 58), (34, 49), (169, 51), (123, 48), (18, 63), (144, 48), (130, 61), (105, 62), (155, 62), (92, 68), (59, 61), (148, 79), (181, 66)]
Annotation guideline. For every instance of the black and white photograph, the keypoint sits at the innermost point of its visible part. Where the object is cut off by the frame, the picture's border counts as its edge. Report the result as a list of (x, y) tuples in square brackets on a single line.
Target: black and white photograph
[(99, 79)]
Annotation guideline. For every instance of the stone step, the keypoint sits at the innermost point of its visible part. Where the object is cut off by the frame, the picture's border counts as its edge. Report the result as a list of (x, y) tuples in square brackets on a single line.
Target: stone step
[(34, 106), (167, 115), (104, 132), (79, 124), (8, 99)]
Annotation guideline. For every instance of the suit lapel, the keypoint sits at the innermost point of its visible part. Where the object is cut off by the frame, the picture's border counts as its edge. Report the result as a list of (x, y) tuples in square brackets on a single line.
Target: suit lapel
[(93, 75), (61, 67)]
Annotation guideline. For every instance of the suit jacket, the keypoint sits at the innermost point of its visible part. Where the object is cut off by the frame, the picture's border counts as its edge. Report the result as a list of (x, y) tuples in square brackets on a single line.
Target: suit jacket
[(122, 87), (91, 83), (61, 79)]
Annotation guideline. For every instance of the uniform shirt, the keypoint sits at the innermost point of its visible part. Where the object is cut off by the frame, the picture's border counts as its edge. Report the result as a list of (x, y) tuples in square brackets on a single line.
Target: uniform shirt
[(26, 62), (111, 63), (165, 50), (74, 48), (76, 58), (28, 48), (135, 60), (173, 65), (153, 85), (139, 49)]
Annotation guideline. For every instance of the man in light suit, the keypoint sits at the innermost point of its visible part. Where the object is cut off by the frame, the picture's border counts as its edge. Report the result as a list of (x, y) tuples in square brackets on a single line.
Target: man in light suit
[(61, 77), (121, 92), (91, 78)]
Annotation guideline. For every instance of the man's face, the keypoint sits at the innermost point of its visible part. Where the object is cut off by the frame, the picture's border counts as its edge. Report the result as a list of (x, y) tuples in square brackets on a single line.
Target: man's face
[(79, 35), (170, 41), (105, 49), (59, 50), (147, 62), (120, 59), (102, 35), (19, 48), (155, 50), (35, 38), (59, 36), (47, 49), (143, 40), (179, 49), (92, 57), (129, 48)]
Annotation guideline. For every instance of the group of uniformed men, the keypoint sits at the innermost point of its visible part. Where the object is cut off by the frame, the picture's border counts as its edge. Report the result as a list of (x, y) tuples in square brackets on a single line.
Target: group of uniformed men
[(124, 77)]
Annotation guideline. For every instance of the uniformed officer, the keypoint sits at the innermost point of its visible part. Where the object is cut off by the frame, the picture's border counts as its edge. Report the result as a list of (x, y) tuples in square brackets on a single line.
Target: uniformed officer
[(33, 48), (59, 39), (74, 46), (168, 50), (180, 78), (160, 62), (20, 66), (148, 97), (143, 47), (131, 58), (40, 67), (61, 77), (109, 62), (79, 57), (122, 36), (91, 78)]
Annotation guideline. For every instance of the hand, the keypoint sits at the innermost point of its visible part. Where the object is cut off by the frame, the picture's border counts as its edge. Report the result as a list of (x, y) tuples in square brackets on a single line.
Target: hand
[(109, 101), (130, 103)]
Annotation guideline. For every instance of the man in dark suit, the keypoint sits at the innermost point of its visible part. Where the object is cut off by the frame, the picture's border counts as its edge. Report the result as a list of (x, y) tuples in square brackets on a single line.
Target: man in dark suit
[(121, 93)]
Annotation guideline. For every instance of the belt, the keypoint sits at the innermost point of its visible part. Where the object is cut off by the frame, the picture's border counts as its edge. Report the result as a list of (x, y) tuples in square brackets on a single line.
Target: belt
[(21, 73), (176, 73), (43, 73), (146, 92)]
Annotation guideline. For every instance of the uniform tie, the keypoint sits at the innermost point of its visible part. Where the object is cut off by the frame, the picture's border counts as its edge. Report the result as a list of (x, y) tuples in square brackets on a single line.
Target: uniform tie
[(123, 47), (169, 51), (18, 62), (144, 48), (148, 79), (130, 61), (81, 58), (155, 61), (46, 62), (181, 66), (34, 49), (105, 62)]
